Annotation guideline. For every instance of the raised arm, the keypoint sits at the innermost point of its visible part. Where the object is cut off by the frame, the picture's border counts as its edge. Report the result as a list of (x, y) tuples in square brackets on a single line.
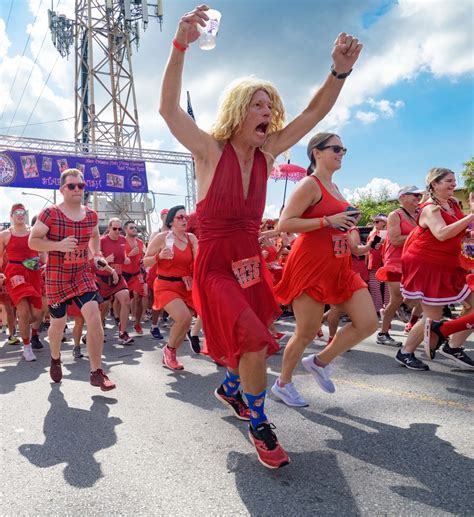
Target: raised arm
[(179, 121), (431, 217), (345, 53)]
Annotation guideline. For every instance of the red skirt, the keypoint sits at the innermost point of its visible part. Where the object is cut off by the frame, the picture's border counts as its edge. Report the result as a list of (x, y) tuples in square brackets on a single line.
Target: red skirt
[(136, 284), (165, 292), (107, 289), (384, 274), (432, 283), (23, 283)]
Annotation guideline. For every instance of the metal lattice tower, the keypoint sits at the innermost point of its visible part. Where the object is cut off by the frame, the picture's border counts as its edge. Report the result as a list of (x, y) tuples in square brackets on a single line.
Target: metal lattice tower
[(105, 101)]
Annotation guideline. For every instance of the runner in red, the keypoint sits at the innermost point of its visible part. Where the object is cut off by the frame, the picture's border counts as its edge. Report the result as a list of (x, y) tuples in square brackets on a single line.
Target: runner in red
[(6, 303), (68, 232), (174, 252), (23, 278), (233, 291), (431, 271), (319, 270), (133, 273)]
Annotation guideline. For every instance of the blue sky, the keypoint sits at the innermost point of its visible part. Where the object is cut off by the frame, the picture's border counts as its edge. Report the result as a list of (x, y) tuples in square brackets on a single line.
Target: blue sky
[(407, 107)]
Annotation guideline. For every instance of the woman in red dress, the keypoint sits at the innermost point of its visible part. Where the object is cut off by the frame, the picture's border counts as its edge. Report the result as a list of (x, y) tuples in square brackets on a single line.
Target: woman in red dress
[(318, 270), (233, 292), (431, 270), (173, 251)]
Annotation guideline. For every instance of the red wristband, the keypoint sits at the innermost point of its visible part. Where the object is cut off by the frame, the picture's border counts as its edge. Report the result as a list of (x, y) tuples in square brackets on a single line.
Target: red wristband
[(178, 46)]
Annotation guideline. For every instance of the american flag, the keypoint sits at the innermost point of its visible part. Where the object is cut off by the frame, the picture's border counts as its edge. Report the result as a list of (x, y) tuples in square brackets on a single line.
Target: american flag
[(190, 108)]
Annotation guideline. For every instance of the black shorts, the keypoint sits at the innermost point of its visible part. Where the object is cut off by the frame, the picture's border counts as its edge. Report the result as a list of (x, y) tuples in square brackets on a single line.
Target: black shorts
[(58, 310)]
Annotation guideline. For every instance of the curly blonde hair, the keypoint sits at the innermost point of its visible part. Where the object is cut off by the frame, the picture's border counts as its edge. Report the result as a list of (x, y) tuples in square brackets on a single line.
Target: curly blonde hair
[(235, 102)]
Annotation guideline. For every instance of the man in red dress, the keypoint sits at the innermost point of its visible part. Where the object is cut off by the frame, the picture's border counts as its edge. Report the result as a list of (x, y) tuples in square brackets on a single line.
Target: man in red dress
[(233, 293), (69, 232)]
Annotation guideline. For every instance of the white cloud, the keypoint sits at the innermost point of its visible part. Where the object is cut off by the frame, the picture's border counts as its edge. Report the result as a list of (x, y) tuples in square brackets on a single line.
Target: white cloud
[(271, 212), (366, 117), (377, 188), (386, 108)]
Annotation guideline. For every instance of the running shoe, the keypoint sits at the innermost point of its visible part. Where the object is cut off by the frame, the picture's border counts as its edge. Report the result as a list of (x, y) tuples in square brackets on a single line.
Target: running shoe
[(169, 359), (155, 332), (138, 329), (408, 327), (99, 379), (194, 342), (55, 371), (269, 452), (76, 352), (289, 395), (36, 343), (432, 337), (236, 403), (13, 340), (125, 339), (84, 340), (321, 374), (410, 361), (28, 354), (117, 321), (457, 354), (387, 339)]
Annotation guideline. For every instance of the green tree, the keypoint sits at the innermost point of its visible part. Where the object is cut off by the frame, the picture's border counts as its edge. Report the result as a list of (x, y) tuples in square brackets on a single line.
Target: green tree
[(371, 205), (468, 175)]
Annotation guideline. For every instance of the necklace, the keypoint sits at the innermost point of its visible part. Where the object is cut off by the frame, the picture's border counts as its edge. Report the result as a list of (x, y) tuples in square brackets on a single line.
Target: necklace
[(185, 241), (448, 209)]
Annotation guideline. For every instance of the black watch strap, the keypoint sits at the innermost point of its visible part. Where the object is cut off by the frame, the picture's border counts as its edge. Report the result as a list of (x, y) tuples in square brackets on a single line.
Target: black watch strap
[(339, 76)]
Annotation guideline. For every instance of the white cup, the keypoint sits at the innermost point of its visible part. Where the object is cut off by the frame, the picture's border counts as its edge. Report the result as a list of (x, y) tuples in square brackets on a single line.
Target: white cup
[(383, 234), (207, 40)]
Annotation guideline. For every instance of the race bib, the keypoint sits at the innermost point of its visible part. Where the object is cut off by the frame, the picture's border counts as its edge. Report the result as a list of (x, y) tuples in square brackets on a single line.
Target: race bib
[(188, 282), (247, 271), (76, 256), (340, 246), (17, 280)]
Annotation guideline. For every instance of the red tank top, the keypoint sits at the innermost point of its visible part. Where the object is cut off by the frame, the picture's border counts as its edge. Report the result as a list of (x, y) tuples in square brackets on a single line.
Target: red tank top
[(108, 246), (135, 260), (18, 250), (180, 265), (392, 255), (423, 243)]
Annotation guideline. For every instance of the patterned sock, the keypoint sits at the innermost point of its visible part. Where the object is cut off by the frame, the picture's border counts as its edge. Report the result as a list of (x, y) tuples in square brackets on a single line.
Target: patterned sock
[(231, 383), (256, 404)]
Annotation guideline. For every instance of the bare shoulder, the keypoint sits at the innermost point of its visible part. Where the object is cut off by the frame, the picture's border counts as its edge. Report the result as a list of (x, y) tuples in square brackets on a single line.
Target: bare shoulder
[(5, 236), (192, 238)]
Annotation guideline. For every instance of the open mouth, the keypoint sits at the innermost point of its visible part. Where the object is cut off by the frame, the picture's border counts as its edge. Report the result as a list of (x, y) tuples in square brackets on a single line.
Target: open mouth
[(262, 128)]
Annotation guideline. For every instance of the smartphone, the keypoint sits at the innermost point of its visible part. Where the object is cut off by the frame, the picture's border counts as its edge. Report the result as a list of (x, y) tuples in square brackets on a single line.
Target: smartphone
[(376, 240), (353, 216)]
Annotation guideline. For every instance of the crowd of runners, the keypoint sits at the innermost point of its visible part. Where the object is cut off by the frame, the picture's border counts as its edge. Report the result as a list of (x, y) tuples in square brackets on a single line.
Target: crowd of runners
[(221, 277)]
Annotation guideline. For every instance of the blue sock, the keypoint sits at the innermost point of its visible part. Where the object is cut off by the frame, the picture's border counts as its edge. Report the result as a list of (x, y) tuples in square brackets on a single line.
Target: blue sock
[(231, 383), (256, 404)]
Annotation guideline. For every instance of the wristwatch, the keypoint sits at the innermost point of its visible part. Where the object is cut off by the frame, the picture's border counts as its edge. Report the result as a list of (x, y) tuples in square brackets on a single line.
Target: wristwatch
[(339, 76)]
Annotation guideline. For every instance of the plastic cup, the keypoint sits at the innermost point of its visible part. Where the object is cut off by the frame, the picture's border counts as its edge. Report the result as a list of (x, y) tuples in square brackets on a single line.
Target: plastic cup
[(383, 234), (207, 40)]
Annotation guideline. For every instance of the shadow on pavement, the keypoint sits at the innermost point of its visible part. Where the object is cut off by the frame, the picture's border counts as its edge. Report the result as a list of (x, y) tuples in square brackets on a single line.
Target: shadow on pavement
[(73, 436), (415, 452), (312, 484)]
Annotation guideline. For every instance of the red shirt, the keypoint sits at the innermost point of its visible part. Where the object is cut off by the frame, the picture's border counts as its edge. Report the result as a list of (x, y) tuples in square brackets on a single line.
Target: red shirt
[(135, 260), (117, 248)]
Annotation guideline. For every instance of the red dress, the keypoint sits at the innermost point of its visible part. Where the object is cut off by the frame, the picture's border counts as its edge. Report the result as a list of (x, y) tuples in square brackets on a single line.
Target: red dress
[(133, 272), (22, 282), (431, 268), (233, 295), (180, 266), (68, 274), (319, 263), (104, 279)]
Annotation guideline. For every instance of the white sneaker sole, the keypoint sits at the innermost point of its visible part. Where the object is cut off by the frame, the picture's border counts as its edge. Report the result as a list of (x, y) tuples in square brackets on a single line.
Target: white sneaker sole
[(273, 467), (317, 378), (280, 396), (455, 359)]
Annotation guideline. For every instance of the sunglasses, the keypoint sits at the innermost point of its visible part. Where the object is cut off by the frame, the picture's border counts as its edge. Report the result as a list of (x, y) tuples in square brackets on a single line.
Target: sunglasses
[(72, 186), (336, 148), (116, 228), (418, 196), (182, 217), (132, 228), (19, 212)]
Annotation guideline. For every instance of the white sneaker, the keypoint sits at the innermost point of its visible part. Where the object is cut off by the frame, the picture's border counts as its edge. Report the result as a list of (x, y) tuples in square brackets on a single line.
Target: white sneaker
[(28, 353), (289, 395), (321, 375)]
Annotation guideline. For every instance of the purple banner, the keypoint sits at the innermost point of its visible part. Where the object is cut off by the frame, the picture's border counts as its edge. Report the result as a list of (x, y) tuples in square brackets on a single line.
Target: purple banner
[(33, 170)]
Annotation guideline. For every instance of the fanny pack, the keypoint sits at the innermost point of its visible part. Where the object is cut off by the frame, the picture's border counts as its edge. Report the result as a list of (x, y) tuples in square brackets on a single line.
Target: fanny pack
[(33, 264)]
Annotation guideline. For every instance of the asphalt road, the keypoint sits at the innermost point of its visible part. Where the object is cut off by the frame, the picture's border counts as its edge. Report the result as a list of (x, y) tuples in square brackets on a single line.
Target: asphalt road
[(388, 442)]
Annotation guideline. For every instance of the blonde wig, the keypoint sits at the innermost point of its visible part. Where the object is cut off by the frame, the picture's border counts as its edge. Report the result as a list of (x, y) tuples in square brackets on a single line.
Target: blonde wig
[(234, 106)]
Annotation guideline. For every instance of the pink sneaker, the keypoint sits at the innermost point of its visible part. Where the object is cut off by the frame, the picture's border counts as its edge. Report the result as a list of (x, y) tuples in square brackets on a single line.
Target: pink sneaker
[(169, 359)]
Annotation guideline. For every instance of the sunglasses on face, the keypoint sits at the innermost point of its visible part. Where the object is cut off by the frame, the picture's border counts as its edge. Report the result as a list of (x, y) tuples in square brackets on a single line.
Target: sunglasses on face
[(19, 212), (418, 196), (116, 228), (72, 186), (131, 228), (336, 148), (181, 217)]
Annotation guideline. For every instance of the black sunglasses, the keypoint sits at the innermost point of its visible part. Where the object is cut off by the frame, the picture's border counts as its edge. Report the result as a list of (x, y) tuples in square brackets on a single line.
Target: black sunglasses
[(336, 148), (419, 196), (116, 229), (72, 186)]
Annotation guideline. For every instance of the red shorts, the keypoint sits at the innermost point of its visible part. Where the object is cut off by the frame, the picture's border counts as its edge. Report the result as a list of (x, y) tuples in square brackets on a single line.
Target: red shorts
[(135, 282)]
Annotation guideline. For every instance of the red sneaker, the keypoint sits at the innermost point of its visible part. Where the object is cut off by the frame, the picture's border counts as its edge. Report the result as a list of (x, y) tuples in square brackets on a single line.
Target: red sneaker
[(408, 327), (320, 334), (99, 379), (169, 359), (235, 403), (138, 329), (270, 453), (55, 371)]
